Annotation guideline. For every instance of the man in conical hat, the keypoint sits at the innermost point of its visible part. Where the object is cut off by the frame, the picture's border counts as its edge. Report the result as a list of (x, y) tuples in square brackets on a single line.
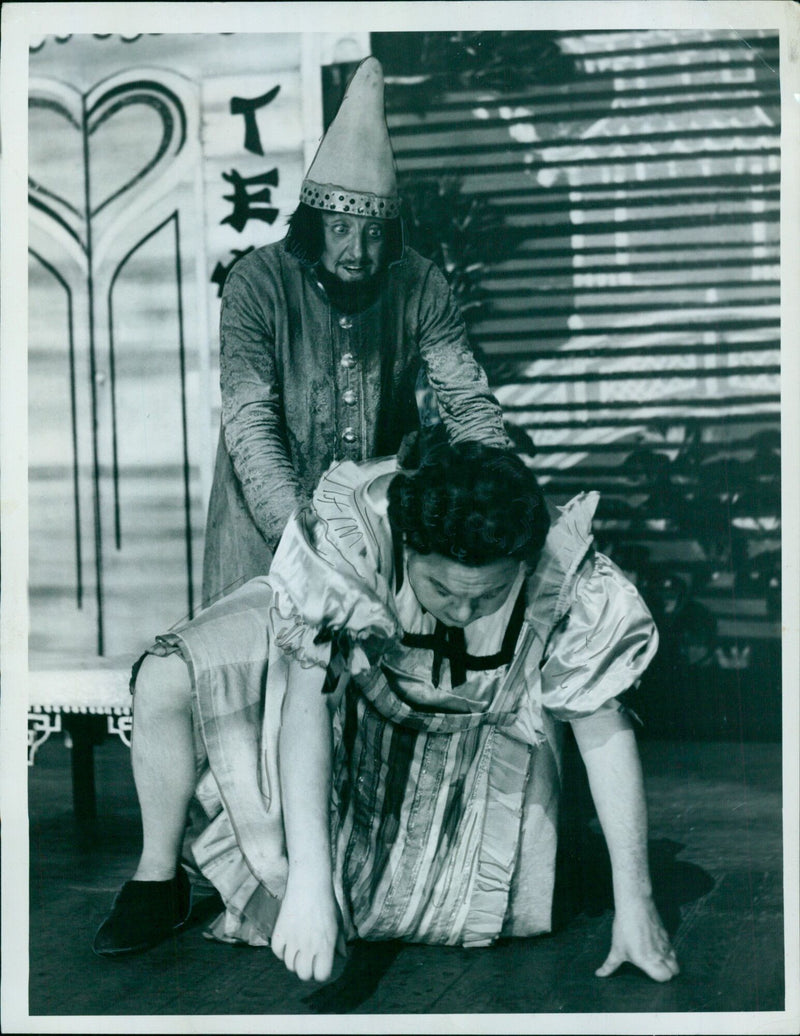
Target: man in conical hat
[(324, 336)]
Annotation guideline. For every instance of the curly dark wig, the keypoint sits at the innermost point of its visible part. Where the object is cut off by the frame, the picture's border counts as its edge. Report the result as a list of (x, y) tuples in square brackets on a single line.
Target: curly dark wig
[(304, 238), (472, 503)]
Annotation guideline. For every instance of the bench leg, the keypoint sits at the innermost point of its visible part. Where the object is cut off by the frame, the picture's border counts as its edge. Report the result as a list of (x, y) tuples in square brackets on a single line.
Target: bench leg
[(86, 732)]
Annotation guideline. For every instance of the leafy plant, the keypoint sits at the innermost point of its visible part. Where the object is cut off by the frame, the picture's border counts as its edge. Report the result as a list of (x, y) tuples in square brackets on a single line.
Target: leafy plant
[(727, 501), (424, 66), (462, 233)]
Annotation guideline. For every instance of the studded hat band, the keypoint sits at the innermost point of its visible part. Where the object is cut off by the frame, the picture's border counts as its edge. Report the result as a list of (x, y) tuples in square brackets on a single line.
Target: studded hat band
[(329, 197)]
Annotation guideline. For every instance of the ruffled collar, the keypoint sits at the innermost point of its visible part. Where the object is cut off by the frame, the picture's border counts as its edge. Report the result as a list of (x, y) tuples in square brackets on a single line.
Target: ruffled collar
[(568, 542), (358, 528)]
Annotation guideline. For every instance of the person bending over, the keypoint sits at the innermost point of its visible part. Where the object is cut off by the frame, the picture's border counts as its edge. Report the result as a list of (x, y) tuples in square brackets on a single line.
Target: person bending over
[(373, 730)]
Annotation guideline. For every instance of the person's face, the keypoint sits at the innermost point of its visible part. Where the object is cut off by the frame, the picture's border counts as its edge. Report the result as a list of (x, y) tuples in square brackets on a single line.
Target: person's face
[(354, 246), (459, 594)]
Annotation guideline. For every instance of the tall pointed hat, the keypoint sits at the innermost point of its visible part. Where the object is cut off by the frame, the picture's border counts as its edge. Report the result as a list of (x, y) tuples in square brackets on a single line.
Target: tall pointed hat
[(353, 169)]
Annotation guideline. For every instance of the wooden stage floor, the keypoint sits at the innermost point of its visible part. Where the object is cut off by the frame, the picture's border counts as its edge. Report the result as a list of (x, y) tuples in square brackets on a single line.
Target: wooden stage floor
[(715, 829)]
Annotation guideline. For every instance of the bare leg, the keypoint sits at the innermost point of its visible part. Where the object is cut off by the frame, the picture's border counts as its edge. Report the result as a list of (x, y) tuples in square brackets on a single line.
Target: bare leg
[(162, 753)]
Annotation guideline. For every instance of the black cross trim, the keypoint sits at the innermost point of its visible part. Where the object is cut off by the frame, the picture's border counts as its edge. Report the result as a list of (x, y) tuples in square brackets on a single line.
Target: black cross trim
[(449, 642)]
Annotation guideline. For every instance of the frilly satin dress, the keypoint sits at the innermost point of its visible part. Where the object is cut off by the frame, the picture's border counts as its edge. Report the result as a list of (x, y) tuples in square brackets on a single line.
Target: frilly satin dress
[(446, 756)]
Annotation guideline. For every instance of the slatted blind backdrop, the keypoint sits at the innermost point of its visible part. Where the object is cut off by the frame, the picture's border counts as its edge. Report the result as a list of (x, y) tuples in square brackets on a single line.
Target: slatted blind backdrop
[(629, 305), (607, 208)]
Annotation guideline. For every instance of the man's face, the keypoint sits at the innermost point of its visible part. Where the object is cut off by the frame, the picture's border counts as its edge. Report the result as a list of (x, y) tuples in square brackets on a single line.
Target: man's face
[(354, 246)]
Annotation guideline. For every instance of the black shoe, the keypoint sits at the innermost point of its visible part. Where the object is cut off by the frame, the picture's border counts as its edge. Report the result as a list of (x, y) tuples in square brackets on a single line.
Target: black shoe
[(144, 914)]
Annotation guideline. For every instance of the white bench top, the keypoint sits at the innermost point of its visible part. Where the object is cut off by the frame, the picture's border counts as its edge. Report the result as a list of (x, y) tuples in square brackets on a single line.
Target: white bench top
[(80, 684)]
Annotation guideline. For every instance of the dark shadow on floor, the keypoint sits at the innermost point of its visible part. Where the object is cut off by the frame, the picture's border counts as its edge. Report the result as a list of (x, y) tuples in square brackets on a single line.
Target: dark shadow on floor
[(583, 880), (583, 888), (583, 869), (366, 965), (729, 941)]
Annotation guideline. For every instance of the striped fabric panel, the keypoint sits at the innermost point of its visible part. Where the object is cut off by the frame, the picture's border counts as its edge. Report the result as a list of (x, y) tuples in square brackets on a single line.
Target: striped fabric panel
[(410, 831), (428, 830)]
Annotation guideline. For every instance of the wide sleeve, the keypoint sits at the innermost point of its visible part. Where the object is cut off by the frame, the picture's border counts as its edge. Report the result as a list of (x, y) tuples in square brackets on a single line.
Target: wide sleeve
[(602, 645), (467, 407), (327, 584), (252, 407)]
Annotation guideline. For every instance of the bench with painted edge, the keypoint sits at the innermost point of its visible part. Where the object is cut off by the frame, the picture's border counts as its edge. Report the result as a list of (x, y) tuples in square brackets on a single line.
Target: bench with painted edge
[(75, 696)]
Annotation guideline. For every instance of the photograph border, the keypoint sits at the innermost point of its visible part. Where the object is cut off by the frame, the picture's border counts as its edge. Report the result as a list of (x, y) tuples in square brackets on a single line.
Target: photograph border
[(23, 21)]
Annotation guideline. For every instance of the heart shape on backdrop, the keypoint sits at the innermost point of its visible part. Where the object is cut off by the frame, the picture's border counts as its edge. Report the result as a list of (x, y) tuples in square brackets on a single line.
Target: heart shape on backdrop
[(116, 140)]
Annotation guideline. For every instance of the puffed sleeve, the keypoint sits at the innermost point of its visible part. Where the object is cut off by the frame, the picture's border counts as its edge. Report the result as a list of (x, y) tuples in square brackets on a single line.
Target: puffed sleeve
[(326, 582), (603, 644)]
